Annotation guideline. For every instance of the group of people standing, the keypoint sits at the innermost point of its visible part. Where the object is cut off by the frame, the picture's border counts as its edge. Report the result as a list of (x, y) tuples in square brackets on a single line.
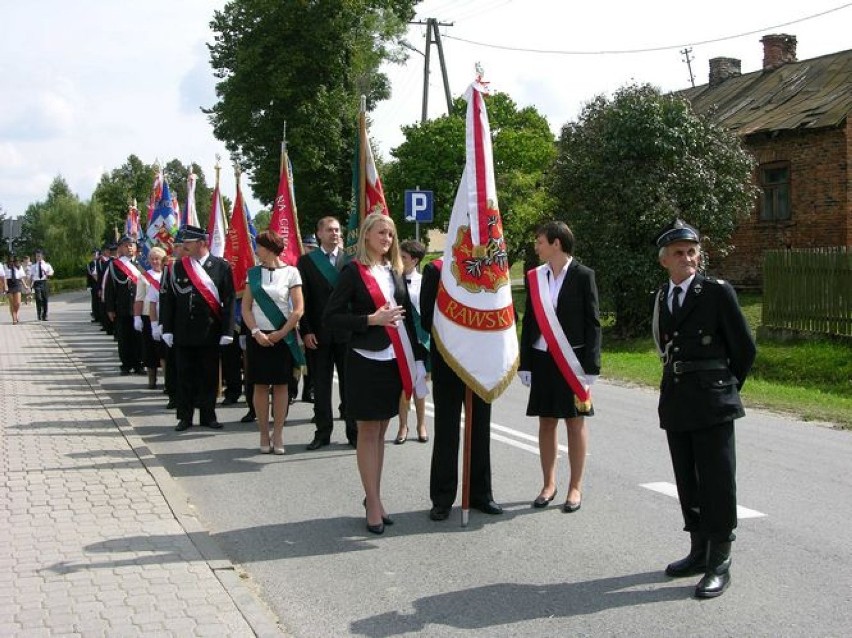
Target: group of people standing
[(370, 318), (19, 279)]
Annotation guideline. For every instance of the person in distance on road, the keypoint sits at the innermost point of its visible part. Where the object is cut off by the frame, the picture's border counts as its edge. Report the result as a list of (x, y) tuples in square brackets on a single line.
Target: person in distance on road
[(707, 351)]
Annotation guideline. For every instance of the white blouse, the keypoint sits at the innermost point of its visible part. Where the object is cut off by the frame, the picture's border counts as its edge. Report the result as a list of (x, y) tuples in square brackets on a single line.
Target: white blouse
[(276, 283)]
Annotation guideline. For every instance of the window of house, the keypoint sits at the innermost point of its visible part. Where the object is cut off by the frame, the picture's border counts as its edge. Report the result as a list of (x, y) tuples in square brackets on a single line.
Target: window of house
[(775, 187)]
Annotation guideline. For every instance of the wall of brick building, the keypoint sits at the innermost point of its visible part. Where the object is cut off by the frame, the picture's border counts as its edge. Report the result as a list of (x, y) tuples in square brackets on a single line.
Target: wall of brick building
[(820, 196)]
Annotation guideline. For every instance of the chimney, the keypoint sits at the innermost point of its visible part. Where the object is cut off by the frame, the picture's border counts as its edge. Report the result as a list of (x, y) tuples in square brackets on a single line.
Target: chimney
[(778, 50), (723, 68)]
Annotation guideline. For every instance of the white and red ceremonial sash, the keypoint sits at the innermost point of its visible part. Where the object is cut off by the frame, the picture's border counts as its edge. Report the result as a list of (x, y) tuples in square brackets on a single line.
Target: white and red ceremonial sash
[(128, 269), (152, 281), (402, 349), (205, 286), (557, 343)]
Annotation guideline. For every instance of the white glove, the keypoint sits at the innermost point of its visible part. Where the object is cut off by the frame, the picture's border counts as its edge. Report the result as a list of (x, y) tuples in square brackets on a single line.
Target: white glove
[(168, 339), (156, 331), (225, 340), (421, 389), (137, 324), (591, 378), (525, 376)]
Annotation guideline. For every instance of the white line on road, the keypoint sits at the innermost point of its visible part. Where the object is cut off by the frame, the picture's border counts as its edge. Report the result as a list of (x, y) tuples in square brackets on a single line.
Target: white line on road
[(670, 489)]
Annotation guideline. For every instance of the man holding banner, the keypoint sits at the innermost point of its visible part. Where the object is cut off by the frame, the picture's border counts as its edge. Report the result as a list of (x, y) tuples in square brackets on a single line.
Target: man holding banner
[(197, 316), (560, 355)]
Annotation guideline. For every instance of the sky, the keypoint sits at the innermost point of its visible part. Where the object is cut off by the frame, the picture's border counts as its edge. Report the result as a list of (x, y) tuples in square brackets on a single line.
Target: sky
[(85, 83)]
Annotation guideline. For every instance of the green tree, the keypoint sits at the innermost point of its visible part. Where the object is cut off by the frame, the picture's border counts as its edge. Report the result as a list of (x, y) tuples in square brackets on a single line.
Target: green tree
[(306, 64), (118, 188), (433, 157), (64, 227), (625, 169)]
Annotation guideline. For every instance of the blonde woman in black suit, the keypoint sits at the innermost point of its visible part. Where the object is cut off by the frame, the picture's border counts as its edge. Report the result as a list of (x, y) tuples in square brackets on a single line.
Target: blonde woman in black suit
[(371, 300)]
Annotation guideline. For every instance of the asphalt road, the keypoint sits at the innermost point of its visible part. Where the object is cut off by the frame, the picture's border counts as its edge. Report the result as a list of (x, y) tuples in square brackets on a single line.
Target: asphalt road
[(296, 524)]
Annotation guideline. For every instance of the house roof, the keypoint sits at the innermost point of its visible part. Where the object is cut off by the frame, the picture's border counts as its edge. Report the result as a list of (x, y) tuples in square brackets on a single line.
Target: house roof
[(809, 94)]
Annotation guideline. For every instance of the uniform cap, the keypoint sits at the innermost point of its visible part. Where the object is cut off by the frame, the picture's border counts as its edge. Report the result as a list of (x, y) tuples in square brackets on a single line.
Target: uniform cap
[(193, 233), (676, 230), (126, 239)]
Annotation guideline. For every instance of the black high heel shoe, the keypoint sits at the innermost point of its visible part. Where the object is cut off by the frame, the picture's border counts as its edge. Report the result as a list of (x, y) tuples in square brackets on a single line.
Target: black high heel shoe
[(386, 520), (376, 529)]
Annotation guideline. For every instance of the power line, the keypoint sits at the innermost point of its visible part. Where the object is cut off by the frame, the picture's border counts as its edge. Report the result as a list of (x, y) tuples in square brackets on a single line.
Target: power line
[(650, 49)]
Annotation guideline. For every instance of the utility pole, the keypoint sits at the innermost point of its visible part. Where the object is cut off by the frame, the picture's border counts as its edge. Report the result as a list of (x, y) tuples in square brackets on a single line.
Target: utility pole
[(688, 59), (433, 35)]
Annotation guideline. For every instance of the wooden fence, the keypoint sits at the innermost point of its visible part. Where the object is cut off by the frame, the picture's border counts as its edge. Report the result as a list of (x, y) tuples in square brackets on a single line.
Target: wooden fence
[(808, 290)]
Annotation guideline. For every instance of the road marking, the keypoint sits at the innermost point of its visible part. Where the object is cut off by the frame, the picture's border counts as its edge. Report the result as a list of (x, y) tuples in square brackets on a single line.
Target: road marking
[(670, 489)]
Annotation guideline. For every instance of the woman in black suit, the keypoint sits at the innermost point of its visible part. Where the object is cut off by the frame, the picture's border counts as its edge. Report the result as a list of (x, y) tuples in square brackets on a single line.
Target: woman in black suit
[(371, 300), (571, 291)]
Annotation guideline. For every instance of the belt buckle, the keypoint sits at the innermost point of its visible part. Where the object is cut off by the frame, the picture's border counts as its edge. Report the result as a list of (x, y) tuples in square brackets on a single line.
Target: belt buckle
[(677, 367)]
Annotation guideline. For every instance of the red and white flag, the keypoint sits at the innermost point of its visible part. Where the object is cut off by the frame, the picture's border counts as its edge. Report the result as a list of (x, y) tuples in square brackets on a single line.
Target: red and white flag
[(284, 219), (474, 321), (191, 214), (216, 224), (238, 250)]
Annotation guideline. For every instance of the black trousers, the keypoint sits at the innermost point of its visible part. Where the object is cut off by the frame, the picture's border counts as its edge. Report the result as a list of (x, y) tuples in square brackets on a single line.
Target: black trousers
[(232, 369), (704, 463), (197, 370), (448, 392), (326, 358), (96, 304), (129, 343), (41, 293)]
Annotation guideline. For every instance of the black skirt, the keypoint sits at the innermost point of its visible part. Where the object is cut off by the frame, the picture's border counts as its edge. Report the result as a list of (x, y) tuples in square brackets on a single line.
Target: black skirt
[(14, 285), (272, 365), (550, 394), (372, 388)]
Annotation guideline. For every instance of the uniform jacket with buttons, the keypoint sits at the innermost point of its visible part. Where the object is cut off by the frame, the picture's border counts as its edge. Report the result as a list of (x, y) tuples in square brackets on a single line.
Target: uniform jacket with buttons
[(184, 312), (710, 327), (119, 291)]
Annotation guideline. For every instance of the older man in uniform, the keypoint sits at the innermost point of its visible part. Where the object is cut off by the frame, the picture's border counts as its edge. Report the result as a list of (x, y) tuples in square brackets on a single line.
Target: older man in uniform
[(707, 351), (197, 317), (119, 295)]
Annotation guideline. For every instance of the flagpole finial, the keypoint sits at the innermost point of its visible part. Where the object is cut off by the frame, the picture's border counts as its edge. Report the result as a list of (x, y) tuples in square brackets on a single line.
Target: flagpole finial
[(284, 131), (480, 71)]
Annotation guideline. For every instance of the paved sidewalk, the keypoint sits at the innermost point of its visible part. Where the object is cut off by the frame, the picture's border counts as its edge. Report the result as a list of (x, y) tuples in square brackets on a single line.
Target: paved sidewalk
[(97, 538)]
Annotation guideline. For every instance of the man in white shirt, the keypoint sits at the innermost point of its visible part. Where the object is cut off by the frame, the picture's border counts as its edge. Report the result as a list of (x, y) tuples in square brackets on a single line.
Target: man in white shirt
[(40, 270)]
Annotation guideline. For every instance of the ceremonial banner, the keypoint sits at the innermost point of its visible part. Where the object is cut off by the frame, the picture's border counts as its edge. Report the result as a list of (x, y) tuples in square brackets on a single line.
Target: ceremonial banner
[(474, 321), (238, 245), (190, 216), (216, 224), (368, 196), (131, 224), (164, 222), (284, 220), (156, 194)]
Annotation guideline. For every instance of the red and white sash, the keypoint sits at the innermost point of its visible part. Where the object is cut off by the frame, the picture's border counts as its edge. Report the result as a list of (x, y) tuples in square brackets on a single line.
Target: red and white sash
[(205, 286), (152, 280), (402, 349), (557, 343), (128, 269)]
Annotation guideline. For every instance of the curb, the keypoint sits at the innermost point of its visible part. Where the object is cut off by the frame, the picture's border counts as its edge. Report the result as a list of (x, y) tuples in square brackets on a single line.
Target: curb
[(257, 614)]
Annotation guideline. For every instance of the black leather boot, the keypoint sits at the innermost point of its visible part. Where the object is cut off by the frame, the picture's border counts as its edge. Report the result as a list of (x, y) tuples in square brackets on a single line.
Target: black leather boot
[(718, 575), (695, 562)]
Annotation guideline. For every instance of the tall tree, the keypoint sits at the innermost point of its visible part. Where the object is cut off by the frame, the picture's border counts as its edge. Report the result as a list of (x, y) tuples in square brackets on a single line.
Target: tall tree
[(433, 156), (116, 189), (306, 64), (626, 167)]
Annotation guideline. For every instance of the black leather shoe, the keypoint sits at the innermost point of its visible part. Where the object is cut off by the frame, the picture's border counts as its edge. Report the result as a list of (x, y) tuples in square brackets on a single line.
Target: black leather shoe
[(489, 507), (249, 417), (438, 513), (307, 397), (543, 501), (693, 563), (182, 425), (213, 425), (317, 443), (170, 405), (569, 507), (229, 401), (376, 529), (718, 575), (387, 520)]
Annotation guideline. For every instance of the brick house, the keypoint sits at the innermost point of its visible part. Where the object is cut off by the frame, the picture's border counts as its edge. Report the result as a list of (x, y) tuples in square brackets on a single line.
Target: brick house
[(793, 117)]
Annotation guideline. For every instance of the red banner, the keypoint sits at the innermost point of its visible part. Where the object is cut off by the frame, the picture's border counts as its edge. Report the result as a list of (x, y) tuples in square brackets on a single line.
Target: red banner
[(238, 251)]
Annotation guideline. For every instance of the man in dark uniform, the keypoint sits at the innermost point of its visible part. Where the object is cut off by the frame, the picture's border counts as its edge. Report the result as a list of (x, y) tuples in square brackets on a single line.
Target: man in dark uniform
[(320, 269), (92, 284), (448, 392), (707, 351), (119, 297), (197, 316), (102, 270)]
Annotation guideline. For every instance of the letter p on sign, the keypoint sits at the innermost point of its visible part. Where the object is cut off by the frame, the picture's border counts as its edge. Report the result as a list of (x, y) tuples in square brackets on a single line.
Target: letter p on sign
[(419, 206)]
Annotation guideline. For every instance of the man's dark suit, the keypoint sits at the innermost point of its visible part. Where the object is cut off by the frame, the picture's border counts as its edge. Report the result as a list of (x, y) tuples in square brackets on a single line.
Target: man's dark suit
[(708, 352), (119, 297), (582, 329), (103, 268), (197, 331), (448, 392), (331, 346), (92, 285)]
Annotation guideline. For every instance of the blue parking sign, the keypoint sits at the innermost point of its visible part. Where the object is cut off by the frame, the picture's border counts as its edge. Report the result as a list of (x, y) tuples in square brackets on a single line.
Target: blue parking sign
[(419, 206)]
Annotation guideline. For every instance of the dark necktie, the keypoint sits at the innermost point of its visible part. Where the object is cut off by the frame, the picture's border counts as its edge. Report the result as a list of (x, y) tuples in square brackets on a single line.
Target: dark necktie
[(40, 271), (676, 300)]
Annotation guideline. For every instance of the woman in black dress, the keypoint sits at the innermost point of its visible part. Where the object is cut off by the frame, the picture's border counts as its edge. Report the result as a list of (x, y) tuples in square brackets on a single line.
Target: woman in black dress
[(14, 286), (384, 357)]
